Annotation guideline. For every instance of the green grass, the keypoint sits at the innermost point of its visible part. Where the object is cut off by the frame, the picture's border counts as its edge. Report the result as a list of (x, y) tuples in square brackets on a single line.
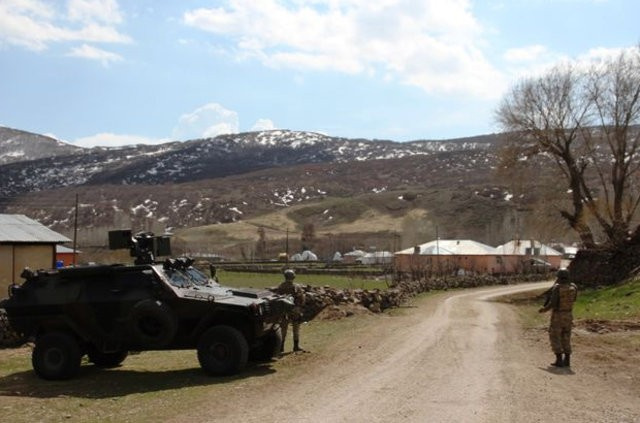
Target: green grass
[(265, 280), (620, 302)]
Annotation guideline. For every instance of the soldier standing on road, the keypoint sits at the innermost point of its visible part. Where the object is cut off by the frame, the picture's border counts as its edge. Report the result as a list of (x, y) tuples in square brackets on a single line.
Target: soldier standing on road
[(560, 301), (295, 315)]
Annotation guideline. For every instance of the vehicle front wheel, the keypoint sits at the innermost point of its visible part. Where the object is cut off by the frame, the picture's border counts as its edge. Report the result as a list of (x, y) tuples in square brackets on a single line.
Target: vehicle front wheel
[(222, 350), (56, 356)]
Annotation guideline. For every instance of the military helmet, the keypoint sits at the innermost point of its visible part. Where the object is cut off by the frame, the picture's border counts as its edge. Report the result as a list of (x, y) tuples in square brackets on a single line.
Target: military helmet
[(563, 275), (289, 274)]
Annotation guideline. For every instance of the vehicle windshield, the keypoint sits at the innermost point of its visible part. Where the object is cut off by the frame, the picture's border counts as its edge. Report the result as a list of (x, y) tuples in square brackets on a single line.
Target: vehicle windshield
[(187, 278)]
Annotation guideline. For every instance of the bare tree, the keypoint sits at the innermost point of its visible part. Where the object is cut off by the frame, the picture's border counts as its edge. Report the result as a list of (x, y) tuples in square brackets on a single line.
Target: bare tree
[(585, 121), (615, 92)]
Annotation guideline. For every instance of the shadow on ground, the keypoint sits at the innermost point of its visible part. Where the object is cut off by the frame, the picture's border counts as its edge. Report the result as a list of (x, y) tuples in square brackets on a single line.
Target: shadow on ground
[(93, 382), (560, 371)]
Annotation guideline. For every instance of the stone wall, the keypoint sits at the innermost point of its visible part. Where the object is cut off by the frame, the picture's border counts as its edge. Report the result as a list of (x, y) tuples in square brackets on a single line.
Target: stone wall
[(343, 301)]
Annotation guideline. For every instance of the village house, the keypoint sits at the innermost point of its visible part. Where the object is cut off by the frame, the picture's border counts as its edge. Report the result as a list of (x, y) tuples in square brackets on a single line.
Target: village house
[(376, 257), (25, 243), (531, 256), (452, 256), (66, 256), (444, 256), (352, 256)]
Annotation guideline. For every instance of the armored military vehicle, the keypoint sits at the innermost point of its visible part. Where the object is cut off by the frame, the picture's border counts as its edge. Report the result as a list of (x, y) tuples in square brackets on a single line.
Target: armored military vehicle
[(106, 311)]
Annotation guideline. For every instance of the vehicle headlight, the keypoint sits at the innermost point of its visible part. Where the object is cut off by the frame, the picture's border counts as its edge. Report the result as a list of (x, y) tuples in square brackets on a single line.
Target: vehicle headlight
[(257, 309)]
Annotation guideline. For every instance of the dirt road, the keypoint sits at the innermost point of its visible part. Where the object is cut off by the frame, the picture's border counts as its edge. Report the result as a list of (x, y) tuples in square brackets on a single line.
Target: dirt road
[(455, 357)]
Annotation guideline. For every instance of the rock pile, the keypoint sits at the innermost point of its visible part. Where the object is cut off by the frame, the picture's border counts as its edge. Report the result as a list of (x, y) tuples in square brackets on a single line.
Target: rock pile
[(318, 298), (8, 337), (342, 302)]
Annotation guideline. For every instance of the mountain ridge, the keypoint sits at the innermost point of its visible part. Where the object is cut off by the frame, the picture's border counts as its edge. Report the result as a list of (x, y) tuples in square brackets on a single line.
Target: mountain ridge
[(243, 177), (224, 155)]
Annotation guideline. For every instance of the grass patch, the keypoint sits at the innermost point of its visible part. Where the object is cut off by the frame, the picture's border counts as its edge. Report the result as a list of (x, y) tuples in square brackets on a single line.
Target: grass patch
[(620, 302), (137, 391), (266, 280)]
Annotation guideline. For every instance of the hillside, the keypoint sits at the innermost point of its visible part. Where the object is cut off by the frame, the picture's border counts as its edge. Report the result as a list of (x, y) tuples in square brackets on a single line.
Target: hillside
[(182, 162), (21, 146), (352, 192)]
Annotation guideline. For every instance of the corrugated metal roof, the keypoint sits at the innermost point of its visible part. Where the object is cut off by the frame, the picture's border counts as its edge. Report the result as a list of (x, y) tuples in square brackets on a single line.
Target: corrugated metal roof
[(65, 250), (525, 247), (462, 247), (19, 228)]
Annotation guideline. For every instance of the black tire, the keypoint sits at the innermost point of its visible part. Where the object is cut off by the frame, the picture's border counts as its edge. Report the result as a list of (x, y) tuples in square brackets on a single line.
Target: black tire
[(152, 324), (106, 360), (270, 346), (223, 350), (56, 356)]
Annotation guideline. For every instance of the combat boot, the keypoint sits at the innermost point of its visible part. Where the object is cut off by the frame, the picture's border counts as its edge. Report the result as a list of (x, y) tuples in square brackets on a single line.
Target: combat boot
[(559, 362), (567, 360), (296, 346)]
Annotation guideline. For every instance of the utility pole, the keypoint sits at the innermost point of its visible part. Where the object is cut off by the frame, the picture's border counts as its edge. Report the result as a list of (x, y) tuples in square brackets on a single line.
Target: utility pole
[(438, 251), (287, 247), (75, 233)]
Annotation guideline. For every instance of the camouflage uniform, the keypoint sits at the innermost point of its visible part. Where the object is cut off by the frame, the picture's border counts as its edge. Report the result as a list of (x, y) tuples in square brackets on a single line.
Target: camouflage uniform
[(561, 298), (295, 316)]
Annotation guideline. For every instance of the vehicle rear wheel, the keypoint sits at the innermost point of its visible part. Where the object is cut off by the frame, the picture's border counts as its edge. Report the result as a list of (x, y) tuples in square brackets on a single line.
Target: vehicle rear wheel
[(56, 356), (222, 350), (269, 347), (106, 360)]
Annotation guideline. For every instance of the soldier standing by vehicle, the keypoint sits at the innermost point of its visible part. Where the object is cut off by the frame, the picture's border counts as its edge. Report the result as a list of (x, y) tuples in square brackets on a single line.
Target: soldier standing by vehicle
[(214, 273), (560, 301), (295, 315)]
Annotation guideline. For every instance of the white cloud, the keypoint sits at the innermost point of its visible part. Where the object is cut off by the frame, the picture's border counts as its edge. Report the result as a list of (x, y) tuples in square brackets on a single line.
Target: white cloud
[(35, 24), (263, 125), (433, 44), (106, 11), (207, 121), (530, 61), (93, 53), (106, 139), (599, 54), (534, 61)]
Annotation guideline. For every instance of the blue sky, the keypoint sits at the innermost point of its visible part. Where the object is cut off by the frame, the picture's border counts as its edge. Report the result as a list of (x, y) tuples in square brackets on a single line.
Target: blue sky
[(114, 72)]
